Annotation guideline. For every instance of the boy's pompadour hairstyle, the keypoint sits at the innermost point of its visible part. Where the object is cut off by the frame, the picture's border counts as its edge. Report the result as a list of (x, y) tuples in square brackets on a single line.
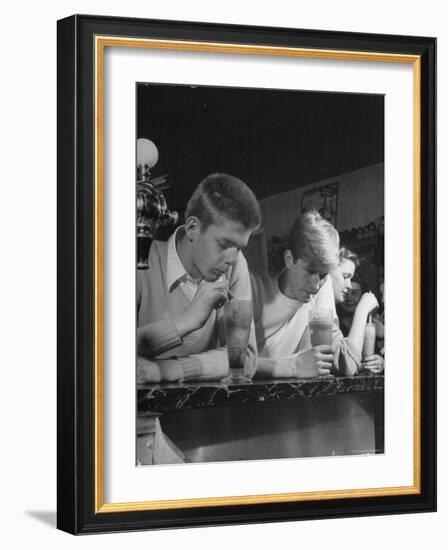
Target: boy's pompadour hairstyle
[(315, 241), (224, 196)]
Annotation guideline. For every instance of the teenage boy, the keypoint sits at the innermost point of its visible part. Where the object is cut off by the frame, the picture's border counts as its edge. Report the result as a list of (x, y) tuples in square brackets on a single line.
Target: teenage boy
[(180, 328), (282, 303)]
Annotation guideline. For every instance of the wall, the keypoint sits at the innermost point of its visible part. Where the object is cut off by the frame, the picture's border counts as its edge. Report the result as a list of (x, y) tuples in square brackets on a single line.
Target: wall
[(360, 201), (28, 318)]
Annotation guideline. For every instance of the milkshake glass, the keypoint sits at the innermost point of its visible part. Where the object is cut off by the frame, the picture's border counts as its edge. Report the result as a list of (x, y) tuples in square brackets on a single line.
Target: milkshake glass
[(237, 322), (321, 326)]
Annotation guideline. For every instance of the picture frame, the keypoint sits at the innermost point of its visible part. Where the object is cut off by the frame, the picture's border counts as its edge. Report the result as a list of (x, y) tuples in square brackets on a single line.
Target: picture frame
[(324, 199), (82, 41)]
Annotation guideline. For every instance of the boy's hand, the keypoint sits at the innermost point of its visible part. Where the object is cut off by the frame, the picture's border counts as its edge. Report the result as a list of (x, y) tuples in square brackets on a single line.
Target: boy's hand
[(208, 297), (148, 372), (317, 361)]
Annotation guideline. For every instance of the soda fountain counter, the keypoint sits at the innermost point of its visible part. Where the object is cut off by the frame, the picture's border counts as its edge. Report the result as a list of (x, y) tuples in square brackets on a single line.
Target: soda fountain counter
[(287, 418)]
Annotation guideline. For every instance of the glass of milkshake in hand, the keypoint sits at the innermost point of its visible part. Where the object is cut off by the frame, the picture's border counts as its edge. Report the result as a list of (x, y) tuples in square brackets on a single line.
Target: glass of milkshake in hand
[(237, 321), (321, 326), (321, 329)]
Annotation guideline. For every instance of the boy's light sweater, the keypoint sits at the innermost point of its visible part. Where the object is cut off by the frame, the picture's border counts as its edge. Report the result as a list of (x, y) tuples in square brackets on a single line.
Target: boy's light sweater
[(200, 354), (281, 325)]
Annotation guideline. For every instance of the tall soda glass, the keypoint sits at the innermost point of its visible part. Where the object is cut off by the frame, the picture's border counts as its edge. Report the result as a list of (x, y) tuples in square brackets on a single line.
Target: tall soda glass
[(237, 321), (321, 326), (368, 346)]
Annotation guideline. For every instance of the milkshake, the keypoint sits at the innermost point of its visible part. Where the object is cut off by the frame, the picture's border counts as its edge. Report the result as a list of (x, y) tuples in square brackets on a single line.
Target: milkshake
[(237, 321), (321, 327)]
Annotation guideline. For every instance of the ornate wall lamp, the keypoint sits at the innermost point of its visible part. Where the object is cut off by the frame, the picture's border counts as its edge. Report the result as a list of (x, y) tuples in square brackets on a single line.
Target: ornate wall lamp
[(152, 210)]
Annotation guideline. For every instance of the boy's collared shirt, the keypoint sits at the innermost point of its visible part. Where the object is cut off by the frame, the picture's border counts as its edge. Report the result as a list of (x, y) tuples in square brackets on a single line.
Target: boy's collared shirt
[(176, 274), (162, 297)]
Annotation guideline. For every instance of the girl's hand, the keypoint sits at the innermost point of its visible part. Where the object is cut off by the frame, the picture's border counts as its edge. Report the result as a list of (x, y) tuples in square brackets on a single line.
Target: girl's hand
[(368, 302), (374, 364)]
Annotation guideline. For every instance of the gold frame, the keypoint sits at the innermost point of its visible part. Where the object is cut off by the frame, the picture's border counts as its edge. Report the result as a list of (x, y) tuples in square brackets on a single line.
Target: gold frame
[(101, 42)]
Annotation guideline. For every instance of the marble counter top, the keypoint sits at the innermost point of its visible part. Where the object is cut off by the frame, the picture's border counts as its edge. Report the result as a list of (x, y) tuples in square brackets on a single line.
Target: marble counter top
[(155, 398)]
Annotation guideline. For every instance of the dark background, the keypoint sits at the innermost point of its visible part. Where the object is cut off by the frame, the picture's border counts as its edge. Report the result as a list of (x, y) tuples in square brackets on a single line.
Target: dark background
[(274, 140)]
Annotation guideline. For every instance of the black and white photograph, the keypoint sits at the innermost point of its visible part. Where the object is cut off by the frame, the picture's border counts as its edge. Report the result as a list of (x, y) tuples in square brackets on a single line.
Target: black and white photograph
[(260, 281)]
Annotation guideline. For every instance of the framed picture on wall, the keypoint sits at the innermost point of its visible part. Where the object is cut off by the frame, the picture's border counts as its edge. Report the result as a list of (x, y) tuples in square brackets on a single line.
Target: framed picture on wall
[(324, 199), (163, 123)]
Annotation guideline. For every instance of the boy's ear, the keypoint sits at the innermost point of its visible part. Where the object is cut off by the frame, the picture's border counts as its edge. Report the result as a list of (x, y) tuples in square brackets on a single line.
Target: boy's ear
[(288, 259), (192, 228)]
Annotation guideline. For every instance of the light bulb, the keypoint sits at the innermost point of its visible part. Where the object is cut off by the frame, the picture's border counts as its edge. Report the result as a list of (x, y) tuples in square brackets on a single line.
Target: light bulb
[(147, 152)]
